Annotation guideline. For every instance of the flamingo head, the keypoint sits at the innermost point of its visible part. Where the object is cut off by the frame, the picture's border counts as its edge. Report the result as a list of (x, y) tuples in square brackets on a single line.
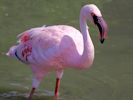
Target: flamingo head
[(11, 51), (93, 13)]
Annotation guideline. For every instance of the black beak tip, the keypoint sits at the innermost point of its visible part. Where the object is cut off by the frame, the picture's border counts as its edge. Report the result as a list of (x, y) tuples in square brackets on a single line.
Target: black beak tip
[(102, 41)]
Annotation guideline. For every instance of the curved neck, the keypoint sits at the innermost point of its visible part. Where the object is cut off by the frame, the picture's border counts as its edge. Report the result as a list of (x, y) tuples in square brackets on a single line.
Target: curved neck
[(88, 52)]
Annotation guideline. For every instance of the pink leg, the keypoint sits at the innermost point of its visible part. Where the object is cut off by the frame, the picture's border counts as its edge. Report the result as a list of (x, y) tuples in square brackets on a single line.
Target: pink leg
[(57, 87), (31, 93), (35, 84)]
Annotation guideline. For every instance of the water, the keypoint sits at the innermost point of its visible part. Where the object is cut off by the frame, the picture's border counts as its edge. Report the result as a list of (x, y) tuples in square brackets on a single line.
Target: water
[(110, 77)]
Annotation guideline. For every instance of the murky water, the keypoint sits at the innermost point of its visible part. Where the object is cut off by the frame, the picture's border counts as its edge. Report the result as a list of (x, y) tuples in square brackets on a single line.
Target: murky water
[(110, 77)]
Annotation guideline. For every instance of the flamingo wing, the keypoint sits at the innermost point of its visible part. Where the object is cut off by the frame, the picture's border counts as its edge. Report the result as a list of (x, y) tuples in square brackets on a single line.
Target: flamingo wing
[(52, 44)]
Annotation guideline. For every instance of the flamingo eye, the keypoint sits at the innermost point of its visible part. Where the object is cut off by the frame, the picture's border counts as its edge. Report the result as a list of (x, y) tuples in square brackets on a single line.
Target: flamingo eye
[(95, 19)]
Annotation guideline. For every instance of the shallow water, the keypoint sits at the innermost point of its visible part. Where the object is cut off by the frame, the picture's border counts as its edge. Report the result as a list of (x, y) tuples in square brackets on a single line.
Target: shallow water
[(110, 77)]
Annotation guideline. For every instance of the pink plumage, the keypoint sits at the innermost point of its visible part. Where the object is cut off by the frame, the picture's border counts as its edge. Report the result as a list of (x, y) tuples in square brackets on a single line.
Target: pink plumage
[(54, 48)]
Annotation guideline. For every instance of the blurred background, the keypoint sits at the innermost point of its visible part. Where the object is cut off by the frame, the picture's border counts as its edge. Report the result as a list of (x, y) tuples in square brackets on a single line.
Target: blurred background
[(110, 77)]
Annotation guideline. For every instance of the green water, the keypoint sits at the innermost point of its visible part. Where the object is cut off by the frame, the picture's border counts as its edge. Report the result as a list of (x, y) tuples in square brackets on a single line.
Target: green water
[(111, 76)]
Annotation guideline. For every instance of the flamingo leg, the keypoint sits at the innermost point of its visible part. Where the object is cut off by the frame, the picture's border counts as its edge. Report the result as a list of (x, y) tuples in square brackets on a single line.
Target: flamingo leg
[(35, 84), (59, 74), (57, 86), (31, 93)]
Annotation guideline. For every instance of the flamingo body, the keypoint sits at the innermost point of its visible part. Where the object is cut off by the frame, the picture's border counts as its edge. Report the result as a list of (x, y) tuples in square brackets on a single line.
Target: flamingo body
[(52, 46)]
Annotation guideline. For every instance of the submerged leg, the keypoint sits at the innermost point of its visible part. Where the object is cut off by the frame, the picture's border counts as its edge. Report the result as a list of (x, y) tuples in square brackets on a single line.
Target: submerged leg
[(59, 74)]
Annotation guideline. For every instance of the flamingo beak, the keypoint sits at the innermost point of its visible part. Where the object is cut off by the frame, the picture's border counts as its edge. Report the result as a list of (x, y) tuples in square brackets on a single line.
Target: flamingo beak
[(102, 26)]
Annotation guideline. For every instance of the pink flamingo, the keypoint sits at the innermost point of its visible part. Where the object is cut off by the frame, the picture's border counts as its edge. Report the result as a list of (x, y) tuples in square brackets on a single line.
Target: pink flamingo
[(54, 48)]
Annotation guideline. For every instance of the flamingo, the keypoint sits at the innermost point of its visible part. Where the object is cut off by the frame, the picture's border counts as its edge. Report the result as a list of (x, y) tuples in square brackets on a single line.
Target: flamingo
[(57, 47)]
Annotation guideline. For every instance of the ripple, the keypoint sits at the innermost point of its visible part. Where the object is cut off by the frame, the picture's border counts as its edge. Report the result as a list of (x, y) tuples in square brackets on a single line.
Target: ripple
[(45, 94), (18, 94), (13, 94)]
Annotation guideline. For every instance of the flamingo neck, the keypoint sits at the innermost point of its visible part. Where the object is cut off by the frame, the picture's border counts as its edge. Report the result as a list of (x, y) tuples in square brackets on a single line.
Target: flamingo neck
[(88, 52)]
